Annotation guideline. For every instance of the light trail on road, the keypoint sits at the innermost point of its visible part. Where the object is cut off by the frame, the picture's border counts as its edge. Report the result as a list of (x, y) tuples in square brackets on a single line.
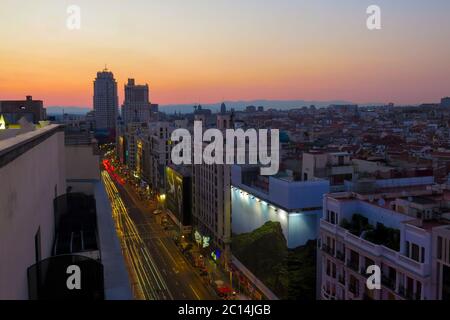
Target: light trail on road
[(151, 282)]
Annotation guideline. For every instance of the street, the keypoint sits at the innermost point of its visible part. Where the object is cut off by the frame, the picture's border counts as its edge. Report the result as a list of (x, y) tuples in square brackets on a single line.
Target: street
[(157, 268)]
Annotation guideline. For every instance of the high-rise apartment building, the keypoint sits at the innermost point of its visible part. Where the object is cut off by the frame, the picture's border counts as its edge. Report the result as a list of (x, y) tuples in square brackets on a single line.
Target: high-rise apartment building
[(399, 225), (160, 148), (106, 101), (136, 106), (131, 137), (151, 154), (211, 207)]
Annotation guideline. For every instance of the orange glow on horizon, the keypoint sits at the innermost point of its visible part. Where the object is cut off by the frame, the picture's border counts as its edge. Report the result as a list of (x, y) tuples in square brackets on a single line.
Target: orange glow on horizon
[(198, 53)]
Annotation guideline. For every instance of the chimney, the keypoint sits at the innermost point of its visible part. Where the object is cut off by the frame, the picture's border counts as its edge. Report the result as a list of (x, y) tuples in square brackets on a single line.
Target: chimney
[(29, 98)]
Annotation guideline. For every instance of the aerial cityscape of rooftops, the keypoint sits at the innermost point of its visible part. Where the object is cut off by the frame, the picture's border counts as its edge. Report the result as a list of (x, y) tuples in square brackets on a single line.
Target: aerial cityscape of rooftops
[(189, 167)]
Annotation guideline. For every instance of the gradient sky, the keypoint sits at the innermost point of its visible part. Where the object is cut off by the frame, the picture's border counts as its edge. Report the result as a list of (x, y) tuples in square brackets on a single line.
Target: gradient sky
[(212, 50)]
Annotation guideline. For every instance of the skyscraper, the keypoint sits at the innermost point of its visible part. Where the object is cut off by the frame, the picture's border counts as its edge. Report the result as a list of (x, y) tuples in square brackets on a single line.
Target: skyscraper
[(106, 101), (136, 107)]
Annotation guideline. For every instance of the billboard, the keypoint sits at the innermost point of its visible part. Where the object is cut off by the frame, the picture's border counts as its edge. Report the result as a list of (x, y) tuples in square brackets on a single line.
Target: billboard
[(276, 246), (178, 197)]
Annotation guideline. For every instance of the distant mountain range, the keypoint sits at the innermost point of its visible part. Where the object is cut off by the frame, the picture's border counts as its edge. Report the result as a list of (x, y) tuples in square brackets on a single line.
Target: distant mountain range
[(57, 111), (236, 105), (240, 105)]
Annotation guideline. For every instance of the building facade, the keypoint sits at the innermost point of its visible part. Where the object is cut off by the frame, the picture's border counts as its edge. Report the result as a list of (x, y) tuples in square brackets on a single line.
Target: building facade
[(335, 166), (13, 110), (211, 202), (136, 106), (390, 227), (274, 219), (106, 102), (53, 215)]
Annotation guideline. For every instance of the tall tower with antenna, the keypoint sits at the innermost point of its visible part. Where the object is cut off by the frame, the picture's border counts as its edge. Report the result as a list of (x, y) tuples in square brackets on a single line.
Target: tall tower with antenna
[(105, 101)]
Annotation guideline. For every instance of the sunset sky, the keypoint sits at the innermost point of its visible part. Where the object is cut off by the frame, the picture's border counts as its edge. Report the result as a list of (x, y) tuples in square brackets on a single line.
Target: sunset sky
[(212, 50)]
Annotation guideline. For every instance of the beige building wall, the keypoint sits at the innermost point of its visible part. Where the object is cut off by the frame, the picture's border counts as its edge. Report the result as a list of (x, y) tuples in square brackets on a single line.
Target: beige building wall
[(28, 185), (82, 163)]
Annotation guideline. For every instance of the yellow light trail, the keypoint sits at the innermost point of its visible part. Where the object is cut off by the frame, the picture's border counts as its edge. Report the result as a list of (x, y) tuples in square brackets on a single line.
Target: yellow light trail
[(149, 278)]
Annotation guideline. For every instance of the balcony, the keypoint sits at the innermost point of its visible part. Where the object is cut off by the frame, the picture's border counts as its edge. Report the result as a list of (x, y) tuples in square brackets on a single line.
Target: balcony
[(376, 250), (378, 235)]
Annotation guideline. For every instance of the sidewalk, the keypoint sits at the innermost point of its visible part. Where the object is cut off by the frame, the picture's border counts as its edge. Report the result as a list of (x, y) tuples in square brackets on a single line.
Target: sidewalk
[(215, 277)]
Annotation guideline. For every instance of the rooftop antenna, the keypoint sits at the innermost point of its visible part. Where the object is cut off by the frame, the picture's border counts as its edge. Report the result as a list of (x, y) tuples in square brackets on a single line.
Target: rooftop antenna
[(106, 67)]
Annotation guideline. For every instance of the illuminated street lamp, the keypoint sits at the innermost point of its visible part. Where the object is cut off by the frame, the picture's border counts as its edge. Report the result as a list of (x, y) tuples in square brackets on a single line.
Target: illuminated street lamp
[(161, 199)]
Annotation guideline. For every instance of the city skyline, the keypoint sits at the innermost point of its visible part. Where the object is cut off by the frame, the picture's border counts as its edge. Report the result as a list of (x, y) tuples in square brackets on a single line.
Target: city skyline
[(227, 151), (207, 53)]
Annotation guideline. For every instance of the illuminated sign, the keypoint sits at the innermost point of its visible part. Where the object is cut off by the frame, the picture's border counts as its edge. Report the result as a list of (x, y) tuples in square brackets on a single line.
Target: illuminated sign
[(2, 123), (202, 240), (206, 242), (174, 189), (198, 237), (215, 254)]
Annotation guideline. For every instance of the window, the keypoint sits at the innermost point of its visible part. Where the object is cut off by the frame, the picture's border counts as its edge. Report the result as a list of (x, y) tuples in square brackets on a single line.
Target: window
[(353, 285), (333, 217), (37, 245), (418, 290), (328, 267), (439, 247), (415, 252)]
